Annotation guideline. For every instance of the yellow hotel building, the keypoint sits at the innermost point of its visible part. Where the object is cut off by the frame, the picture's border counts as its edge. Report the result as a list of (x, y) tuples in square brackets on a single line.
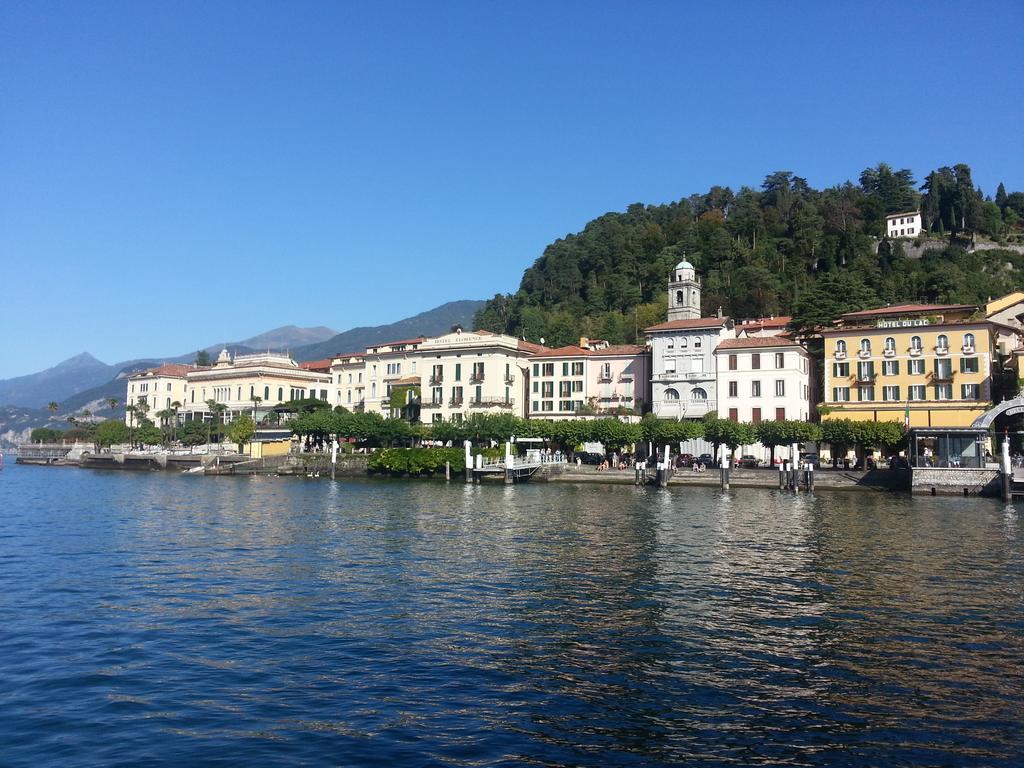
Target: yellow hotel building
[(935, 358)]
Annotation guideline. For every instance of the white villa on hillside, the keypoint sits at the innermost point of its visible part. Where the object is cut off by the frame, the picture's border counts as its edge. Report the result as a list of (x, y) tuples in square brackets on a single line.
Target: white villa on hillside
[(906, 224)]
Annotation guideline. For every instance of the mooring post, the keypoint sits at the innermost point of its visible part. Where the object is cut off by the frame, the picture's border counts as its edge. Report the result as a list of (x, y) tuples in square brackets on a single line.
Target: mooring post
[(1007, 473), (810, 477), (782, 475), (724, 469), (447, 471), (509, 467), (467, 445), (334, 455)]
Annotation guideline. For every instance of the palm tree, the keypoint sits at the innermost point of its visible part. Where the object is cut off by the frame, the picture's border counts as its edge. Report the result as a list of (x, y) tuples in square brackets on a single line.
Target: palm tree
[(175, 407), (112, 402), (52, 406), (256, 400), (165, 416), (216, 413), (131, 410)]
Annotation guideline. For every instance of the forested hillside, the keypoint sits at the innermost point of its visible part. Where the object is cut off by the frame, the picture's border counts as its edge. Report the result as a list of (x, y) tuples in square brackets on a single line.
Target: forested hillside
[(784, 248)]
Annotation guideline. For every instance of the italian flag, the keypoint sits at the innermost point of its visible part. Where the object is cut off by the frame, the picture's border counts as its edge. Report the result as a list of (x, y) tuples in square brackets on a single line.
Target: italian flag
[(906, 415)]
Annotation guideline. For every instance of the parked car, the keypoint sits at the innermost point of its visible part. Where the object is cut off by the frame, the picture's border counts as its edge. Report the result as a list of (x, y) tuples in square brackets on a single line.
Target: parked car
[(748, 462), (706, 459), (588, 457)]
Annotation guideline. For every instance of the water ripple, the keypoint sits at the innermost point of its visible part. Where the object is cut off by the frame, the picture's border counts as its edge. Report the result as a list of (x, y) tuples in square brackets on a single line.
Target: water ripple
[(163, 620)]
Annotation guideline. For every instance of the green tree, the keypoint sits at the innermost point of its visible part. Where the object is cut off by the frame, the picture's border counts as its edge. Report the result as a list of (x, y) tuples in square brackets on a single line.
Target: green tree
[(202, 358), (45, 435), (148, 434), (241, 431), (52, 406), (111, 432)]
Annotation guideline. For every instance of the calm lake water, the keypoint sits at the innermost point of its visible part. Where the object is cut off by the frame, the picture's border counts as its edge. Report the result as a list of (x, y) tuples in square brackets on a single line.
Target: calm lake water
[(166, 620)]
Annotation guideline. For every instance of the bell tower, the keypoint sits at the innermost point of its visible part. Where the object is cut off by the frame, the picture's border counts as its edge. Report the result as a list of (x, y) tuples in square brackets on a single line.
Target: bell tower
[(684, 292)]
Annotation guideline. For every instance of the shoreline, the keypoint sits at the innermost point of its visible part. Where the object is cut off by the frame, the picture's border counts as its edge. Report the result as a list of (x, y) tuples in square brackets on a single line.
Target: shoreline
[(317, 466)]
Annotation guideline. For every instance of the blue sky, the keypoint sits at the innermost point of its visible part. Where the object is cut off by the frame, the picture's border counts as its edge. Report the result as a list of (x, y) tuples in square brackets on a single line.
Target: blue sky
[(178, 174)]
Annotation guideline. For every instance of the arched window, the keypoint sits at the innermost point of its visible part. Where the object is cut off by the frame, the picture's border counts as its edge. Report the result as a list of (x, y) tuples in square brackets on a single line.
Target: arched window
[(266, 393), (841, 346), (671, 394), (682, 342), (865, 345), (915, 343), (890, 344), (679, 298), (942, 342), (168, 406), (280, 394), (969, 340), (698, 394)]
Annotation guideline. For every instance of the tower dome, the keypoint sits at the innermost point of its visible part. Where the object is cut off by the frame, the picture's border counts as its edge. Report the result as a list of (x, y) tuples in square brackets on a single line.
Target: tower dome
[(683, 292)]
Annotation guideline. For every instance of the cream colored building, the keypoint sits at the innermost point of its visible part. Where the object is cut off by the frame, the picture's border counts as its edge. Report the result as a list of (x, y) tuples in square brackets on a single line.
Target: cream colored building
[(396, 363), (251, 384), (156, 389), (347, 372), (596, 377), (466, 372), (905, 224)]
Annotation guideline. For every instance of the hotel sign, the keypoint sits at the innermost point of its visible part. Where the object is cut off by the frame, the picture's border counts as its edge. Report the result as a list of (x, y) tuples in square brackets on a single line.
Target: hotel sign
[(906, 322)]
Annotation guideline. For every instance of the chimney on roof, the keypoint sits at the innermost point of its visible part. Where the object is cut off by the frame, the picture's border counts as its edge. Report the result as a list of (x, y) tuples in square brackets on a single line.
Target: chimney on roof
[(584, 341)]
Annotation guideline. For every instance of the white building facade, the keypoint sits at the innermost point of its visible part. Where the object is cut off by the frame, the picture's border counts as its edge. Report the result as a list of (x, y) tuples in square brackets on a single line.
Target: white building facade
[(763, 378), (596, 377), (906, 224), (466, 372), (251, 384), (683, 373)]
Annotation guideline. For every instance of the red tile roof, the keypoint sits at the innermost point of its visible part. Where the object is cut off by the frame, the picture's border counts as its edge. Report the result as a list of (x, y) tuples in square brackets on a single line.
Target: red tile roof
[(698, 322), (753, 342), (529, 346), (618, 349), (574, 351), (908, 309), (317, 365), (765, 322), (169, 369), (417, 340)]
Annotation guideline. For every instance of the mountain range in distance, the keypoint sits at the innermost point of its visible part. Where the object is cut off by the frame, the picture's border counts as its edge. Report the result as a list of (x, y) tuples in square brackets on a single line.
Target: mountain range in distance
[(82, 380)]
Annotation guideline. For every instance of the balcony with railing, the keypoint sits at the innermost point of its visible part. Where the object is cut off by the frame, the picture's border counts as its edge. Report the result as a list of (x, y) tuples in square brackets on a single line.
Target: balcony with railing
[(436, 380), (864, 354), (476, 377), (941, 350), (492, 402), (432, 404), (604, 376), (968, 349), (840, 354), (510, 379), (866, 378), (455, 402), (915, 351), (941, 377)]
